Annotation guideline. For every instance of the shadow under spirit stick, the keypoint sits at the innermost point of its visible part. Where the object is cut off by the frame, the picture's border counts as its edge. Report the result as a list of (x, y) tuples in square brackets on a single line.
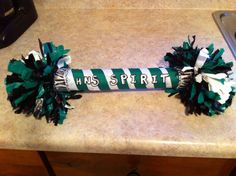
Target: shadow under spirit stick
[(42, 82)]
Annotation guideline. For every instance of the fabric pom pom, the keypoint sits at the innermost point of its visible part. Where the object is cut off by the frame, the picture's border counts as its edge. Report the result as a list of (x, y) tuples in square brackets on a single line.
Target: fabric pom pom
[(30, 87), (211, 87)]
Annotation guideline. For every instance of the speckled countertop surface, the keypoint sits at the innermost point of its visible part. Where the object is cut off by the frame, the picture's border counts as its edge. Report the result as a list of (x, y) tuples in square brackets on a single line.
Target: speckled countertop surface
[(146, 123)]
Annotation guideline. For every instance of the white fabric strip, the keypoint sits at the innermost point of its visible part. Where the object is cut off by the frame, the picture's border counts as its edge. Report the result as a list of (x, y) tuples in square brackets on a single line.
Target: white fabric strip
[(37, 55), (201, 59), (167, 79), (63, 61), (127, 72), (70, 81), (145, 71), (108, 73), (89, 73)]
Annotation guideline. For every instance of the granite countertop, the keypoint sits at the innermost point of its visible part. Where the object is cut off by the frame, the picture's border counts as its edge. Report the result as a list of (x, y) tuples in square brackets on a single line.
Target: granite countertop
[(146, 123)]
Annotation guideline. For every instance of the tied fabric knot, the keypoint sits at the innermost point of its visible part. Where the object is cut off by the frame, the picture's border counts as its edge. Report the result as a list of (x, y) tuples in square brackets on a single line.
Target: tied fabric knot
[(219, 83)]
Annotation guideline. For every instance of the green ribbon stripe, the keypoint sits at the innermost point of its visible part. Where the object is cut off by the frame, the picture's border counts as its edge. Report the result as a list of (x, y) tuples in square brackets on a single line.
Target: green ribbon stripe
[(174, 77), (118, 72), (78, 74), (156, 72), (118, 79)]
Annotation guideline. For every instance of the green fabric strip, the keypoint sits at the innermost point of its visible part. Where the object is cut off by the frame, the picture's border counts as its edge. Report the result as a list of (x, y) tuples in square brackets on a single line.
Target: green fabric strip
[(156, 72), (103, 85), (22, 98), (118, 72), (78, 75), (19, 67), (26, 84), (137, 72)]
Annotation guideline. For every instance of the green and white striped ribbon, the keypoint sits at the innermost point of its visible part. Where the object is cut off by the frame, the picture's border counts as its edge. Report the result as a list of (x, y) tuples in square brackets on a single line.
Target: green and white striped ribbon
[(116, 79)]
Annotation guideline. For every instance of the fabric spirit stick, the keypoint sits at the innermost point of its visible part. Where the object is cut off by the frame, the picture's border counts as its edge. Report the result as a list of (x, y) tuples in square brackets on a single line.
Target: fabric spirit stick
[(42, 82)]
